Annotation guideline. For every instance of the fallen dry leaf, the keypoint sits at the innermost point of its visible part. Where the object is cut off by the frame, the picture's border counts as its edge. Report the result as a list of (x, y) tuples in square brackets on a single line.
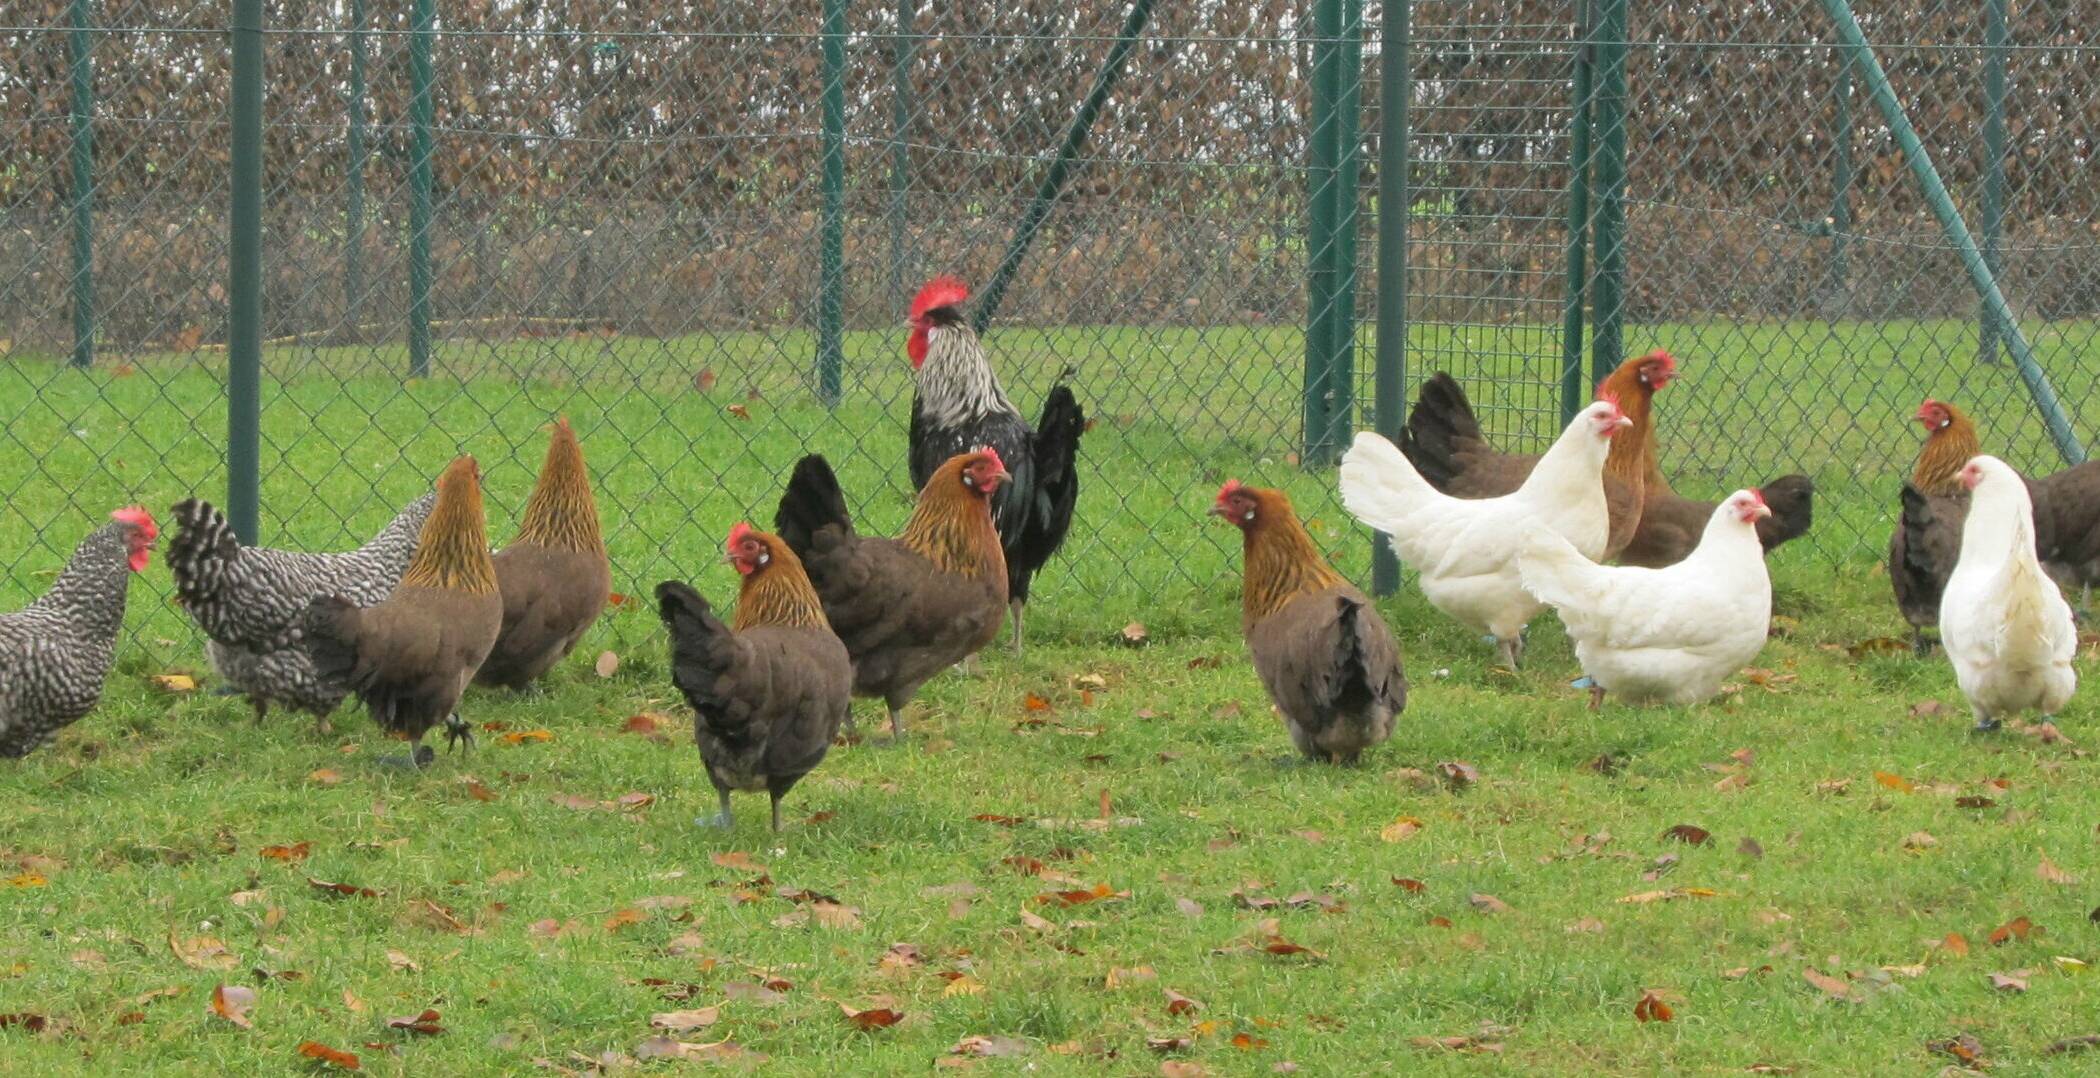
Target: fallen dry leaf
[(348, 889), (1134, 635), (607, 665), (656, 1048), (1400, 830), (1894, 782), (1411, 886), (2019, 928), (425, 1023), (520, 737), (1487, 903), (2049, 873), (2015, 981), (1689, 834), (295, 852), (1179, 1005), (981, 1047), (874, 1018), (738, 860), (1651, 1008), (326, 777), (175, 683), (1458, 774), (334, 1057), (683, 1021), (232, 1002), (1831, 986), (1965, 1048), (202, 952), (1919, 840)]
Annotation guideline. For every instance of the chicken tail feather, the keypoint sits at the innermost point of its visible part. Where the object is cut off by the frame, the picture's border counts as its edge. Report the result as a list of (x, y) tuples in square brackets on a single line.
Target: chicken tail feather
[(812, 501), (1380, 487), (1438, 429), (331, 636), (1792, 501), (702, 651), (201, 550)]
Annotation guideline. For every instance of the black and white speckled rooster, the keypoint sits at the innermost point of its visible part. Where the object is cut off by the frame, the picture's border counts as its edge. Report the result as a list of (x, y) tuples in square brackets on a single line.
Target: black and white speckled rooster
[(55, 653), (250, 600), (960, 407)]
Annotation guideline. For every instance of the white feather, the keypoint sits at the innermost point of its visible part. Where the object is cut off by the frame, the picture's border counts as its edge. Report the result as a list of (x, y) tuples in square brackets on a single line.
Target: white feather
[(2004, 624)]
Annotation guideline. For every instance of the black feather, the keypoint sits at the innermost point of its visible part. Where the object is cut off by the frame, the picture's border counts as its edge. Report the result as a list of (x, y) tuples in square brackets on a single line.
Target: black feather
[(1441, 421), (811, 502), (1033, 509)]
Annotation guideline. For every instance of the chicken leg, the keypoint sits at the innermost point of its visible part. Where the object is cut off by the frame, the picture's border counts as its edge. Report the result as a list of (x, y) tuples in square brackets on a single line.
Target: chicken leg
[(725, 819), (458, 733), (1985, 724), (1510, 650), (1018, 607)]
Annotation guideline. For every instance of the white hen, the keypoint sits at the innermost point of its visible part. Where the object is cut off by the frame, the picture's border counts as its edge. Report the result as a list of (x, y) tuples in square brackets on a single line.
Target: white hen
[(1669, 634), (1466, 548), (2006, 628)]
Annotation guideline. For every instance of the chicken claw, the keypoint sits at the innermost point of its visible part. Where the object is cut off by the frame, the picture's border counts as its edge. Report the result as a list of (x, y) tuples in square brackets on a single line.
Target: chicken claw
[(458, 733)]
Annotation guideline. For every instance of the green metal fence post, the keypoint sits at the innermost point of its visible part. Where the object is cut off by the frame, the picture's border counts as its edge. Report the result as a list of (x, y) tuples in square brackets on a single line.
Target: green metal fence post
[(1841, 181), (1608, 297), (1997, 39), (1348, 156), (900, 152), (1053, 184), (1389, 379), (354, 182), (831, 283), (244, 277), (1321, 225), (1955, 229), (1573, 395), (422, 114), (80, 62)]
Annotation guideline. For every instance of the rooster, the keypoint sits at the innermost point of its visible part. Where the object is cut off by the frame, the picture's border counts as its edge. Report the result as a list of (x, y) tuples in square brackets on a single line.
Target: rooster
[(409, 658), (910, 607), (56, 652), (250, 601), (554, 576), (1670, 634), (1465, 549), (1330, 665), (959, 406), (767, 696), (1444, 442), (2006, 628)]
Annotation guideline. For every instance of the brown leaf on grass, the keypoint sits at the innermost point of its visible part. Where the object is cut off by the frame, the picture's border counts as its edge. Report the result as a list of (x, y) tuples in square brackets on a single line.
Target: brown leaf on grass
[(900, 956), (738, 860), (684, 1021), (549, 928), (401, 963), (1926, 709), (349, 890), (1189, 907), (2015, 981), (1894, 782), (1880, 645), (1134, 635), (2019, 928), (833, 915), (519, 737), (1164, 1045), (1750, 847), (1919, 840), (1768, 1068), (1645, 897), (476, 790), (202, 952), (647, 723), (26, 1020), (1458, 774), (2049, 873), (747, 992), (325, 777), (981, 1047), (1974, 801), (1400, 830), (1833, 987), (2074, 1044), (1100, 892), (334, 1057), (1182, 1068), (1032, 702), (994, 818), (1179, 1005), (295, 852), (1689, 834), (1487, 903), (1473, 1043), (424, 913), (1585, 926), (1740, 972), (656, 1048), (1652, 1008), (174, 683), (425, 1023), (1601, 764), (1965, 1048), (871, 1019), (232, 1002), (1248, 1042), (28, 879), (1277, 945), (607, 665)]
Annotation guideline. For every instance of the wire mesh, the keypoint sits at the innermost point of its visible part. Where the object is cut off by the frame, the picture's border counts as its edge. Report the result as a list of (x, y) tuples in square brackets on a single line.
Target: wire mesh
[(627, 212)]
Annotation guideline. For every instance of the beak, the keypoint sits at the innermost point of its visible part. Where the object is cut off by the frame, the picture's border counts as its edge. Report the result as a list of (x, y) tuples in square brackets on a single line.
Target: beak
[(1002, 476), (1763, 510), (1217, 509), (1624, 422)]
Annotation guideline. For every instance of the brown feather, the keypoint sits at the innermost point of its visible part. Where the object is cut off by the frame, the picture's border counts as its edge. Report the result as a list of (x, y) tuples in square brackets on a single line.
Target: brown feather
[(952, 525), (561, 513), (1946, 450), (1281, 561), (779, 593), (452, 551)]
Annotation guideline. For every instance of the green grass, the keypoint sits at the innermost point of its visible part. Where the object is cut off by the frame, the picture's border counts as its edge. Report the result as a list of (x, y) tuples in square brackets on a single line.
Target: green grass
[(145, 819)]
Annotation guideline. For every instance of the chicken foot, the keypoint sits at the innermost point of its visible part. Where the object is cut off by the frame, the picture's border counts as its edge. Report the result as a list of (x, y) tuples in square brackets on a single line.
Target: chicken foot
[(1511, 651), (457, 733), (724, 819), (1985, 724), (1018, 608)]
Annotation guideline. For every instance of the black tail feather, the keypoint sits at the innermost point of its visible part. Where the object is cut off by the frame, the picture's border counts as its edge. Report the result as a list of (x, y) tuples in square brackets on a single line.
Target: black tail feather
[(201, 549), (811, 501), (1792, 501), (1440, 424), (1056, 492), (1351, 687), (702, 650)]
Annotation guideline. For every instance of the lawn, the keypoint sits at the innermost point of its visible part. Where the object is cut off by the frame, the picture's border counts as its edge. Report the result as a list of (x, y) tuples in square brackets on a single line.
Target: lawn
[(547, 896)]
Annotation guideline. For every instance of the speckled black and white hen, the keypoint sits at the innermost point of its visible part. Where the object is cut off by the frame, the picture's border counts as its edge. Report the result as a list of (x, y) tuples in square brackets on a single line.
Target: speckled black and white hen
[(55, 653), (250, 600)]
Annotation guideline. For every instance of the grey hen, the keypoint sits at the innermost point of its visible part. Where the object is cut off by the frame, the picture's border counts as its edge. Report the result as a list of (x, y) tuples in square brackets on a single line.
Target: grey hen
[(56, 652)]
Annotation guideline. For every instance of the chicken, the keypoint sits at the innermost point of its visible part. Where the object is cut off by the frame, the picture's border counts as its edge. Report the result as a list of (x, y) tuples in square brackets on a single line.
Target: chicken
[(767, 696), (2006, 628), (1673, 525), (409, 658), (1670, 634), (1330, 664), (959, 406), (251, 601), (1927, 537), (1465, 549), (56, 652), (554, 576), (910, 607), (1444, 442)]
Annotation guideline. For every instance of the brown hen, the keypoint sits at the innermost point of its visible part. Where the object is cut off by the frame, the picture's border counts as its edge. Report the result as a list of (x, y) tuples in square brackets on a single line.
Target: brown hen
[(554, 576)]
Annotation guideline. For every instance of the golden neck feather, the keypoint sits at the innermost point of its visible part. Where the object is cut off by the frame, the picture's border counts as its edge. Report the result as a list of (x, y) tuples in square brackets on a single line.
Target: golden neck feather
[(1632, 455), (561, 513), (779, 593), (453, 550), (1281, 562), (952, 528), (1940, 460)]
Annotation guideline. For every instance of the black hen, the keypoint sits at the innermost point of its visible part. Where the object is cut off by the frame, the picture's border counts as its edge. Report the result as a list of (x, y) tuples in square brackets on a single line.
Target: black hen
[(959, 407)]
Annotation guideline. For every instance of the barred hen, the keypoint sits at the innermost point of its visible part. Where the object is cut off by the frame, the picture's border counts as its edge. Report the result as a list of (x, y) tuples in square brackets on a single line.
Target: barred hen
[(910, 607), (55, 653), (409, 658), (767, 696), (554, 576), (1329, 662), (959, 406), (250, 601)]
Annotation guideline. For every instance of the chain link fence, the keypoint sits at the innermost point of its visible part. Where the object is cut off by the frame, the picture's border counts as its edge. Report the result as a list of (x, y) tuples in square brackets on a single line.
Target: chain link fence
[(626, 215)]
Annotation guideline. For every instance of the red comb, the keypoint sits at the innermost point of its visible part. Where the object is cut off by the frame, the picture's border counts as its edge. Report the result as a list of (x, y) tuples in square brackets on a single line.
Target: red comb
[(993, 454), (137, 516), (1663, 357), (1231, 487), (1759, 495), (1611, 397), (940, 292), (738, 534)]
